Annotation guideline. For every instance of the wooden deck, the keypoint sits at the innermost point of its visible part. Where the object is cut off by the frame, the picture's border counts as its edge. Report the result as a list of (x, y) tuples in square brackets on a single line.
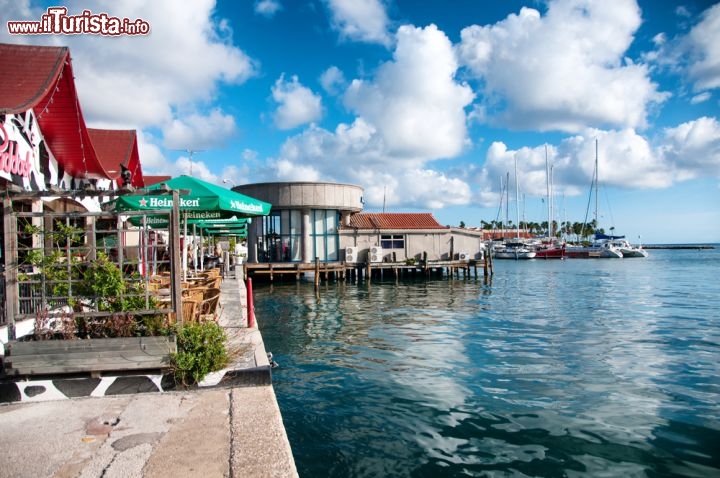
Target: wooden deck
[(49, 357), (362, 270)]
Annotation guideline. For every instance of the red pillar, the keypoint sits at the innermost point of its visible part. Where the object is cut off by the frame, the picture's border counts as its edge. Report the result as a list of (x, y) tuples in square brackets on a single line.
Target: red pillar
[(250, 304)]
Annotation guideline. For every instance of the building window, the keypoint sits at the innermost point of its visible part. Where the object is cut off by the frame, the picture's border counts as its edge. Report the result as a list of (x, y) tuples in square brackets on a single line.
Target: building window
[(281, 237), (392, 241), (325, 235)]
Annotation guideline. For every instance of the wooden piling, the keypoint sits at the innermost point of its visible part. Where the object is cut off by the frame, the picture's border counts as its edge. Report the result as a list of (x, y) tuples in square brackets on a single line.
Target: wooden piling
[(317, 272)]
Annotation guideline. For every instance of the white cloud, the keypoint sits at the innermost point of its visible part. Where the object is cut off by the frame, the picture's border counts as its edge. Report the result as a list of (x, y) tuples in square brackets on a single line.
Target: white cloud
[(700, 98), (411, 113), (562, 71), (705, 43), (152, 159), (141, 81), (414, 102), (355, 154), (267, 8), (332, 80), (197, 131), (360, 20), (626, 160), (693, 148), (413, 188), (298, 105), (288, 171)]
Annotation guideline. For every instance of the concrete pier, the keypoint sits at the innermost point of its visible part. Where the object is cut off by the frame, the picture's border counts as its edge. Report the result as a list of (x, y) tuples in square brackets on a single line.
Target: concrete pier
[(229, 427)]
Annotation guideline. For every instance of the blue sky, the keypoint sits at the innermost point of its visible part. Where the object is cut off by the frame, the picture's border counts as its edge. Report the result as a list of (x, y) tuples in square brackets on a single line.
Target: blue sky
[(425, 104)]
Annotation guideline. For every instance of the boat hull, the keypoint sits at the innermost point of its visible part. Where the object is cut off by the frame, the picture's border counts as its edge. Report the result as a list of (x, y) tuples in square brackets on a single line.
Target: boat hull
[(634, 252), (519, 253), (550, 253), (601, 251)]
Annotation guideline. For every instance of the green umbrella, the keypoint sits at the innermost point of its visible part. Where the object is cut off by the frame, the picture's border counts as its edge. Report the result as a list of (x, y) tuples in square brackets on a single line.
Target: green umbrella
[(203, 200), (223, 227), (199, 200)]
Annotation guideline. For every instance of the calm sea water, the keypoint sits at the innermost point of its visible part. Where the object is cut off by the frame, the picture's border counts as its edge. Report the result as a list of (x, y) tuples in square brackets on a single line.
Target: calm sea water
[(555, 368)]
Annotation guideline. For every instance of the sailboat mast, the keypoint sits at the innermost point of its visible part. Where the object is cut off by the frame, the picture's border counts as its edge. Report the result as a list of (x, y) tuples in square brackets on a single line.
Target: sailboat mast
[(552, 202), (596, 183), (517, 202), (507, 201), (500, 208), (547, 185)]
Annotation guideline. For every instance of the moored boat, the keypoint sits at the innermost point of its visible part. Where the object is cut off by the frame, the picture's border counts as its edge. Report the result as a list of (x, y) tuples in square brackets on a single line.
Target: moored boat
[(600, 249), (628, 250), (550, 250), (514, 251)]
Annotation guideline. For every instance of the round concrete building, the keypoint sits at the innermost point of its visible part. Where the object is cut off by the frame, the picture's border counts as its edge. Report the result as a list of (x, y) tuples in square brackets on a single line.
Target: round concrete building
[(304, 221)]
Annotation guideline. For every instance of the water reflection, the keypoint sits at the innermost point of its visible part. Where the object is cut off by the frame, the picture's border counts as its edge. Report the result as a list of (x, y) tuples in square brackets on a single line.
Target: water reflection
[(551, 369)]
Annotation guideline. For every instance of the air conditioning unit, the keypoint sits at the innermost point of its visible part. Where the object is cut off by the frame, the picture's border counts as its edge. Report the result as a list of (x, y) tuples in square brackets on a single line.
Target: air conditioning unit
[(351, 254), (375, 254), (463, 256)]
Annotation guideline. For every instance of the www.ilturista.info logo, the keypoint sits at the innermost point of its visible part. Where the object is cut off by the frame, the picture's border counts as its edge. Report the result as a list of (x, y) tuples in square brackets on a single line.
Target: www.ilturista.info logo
[(57, 22)]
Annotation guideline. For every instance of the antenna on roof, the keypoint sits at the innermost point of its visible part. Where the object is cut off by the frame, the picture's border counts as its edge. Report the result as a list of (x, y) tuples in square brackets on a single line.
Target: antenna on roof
[(190, 152)]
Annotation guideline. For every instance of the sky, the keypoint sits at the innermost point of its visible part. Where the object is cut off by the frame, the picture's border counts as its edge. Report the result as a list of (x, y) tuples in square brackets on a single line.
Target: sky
[(428, 105)]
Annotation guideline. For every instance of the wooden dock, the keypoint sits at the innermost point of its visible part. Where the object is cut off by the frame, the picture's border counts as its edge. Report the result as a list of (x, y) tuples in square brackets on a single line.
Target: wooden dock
[(360, 271)]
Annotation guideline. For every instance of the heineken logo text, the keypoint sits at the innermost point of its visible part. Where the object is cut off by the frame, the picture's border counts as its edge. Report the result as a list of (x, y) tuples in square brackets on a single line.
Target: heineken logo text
[(243, 206), (155, 202)]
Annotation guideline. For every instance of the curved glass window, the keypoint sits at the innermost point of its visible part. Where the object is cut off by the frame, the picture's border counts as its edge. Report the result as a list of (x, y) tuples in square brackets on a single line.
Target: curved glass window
[(324, 234), (281, 237)]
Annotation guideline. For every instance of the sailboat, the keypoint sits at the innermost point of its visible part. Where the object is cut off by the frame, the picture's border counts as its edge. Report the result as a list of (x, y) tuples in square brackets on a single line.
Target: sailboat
[(602, 246), (627, 249), (515, 250), (549, 248)]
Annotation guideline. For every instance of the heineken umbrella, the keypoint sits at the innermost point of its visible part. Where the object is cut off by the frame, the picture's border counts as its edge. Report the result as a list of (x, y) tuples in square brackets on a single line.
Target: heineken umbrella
[(203, 200), (200, 200), (225, 232), (223, 227)]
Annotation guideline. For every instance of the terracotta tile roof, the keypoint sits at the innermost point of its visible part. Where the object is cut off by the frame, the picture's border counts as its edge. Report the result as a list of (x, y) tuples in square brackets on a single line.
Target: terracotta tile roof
[(41, 78), (394, 220), (117, 149), (150, 180), (29, 73)]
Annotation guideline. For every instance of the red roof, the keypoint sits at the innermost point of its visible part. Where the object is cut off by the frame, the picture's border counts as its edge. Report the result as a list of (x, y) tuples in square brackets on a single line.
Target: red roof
[(117, 149), (150, 180), (394, 220), (41, 78)]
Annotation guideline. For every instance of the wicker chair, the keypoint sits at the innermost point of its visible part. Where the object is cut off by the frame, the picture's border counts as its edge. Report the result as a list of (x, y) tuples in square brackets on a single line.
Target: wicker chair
[(189, 310), (197, 294), (209, 305), (212, 282), (154, 286)]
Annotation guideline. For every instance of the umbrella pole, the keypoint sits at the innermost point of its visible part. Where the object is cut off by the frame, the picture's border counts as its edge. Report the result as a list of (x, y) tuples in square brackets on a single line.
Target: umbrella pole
[(185, 248), (195, 249), (202, 253)]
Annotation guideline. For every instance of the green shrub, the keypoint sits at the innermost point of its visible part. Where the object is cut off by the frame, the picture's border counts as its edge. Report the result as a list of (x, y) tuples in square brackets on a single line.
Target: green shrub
[(201, 350), (103, 281)]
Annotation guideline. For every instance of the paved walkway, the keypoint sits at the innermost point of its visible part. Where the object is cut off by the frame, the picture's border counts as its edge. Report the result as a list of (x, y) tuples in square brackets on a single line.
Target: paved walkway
[(230, 427)]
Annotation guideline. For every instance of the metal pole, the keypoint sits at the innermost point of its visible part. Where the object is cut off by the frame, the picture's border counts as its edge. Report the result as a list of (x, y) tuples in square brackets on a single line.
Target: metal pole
[(250, 304), (175, 289)]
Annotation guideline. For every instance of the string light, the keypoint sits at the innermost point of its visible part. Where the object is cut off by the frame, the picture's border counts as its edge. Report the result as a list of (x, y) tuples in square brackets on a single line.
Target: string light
[(52, 95)]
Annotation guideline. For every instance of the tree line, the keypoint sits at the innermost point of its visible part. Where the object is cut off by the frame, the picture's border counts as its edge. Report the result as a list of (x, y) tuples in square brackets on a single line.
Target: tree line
[(580, 230)]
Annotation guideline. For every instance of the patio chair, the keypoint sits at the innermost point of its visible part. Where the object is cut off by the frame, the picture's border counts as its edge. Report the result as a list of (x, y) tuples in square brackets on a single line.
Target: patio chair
[(213, 282), (189, 310), (194, 294), (208, 307)]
